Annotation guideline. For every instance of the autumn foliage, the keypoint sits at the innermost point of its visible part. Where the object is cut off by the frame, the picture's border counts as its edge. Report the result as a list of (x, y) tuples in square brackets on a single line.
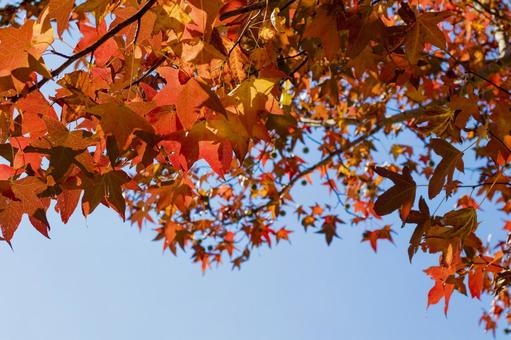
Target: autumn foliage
[(203, 119)]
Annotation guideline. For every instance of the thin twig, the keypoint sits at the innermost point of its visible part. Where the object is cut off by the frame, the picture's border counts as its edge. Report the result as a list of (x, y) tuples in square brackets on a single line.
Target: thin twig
[(90, 49), (243, 31), (251, 8), (297, 68), (146, 73)]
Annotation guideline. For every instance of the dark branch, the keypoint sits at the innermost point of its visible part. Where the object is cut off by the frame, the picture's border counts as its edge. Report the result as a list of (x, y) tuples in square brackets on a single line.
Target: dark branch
[(135, 17)]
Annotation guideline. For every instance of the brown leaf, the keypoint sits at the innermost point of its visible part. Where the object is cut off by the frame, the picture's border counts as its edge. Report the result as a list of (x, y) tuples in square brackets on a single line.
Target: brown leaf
[(424, 30), (324, 27), (121, 122), (400, 196), (107, 189), (373, 236), (422, 219), (452, 159)]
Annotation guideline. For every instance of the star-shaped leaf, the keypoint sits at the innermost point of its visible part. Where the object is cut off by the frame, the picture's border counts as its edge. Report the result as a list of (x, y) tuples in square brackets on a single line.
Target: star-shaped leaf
[(400, 196), (121, 122), (452, 159)]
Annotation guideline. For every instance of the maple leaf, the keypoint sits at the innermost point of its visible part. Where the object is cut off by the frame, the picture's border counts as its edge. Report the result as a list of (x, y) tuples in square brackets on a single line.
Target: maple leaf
[(204, 142), (324, 27), (15, 47), (60, 11), (365, 61), (400, 196), (192, 96), (6, 172), (203, 55), (308, 221), (67, 201), (361, 31), (476, 282), (230, 127), (499, 146), (463, 222), (467, 202), (11, 213), (59, 135), (251, 98), (90, 35), (26, 190), (329, 227), (373, 236), (106, 189), (20, 53), (464, 108), (173, 195), (238, 61), (142, 31), (98, 7), (282, 234), (423, 221), (252, 95), (168, 94), (489, 323), (424, 30), (441, 121), (218, 155), (203, 16), (169, 232), (34, 110), (121, 122), (441, 289), (24, 200), (61, 145), (163, 120), (452, 233), (452, 159)]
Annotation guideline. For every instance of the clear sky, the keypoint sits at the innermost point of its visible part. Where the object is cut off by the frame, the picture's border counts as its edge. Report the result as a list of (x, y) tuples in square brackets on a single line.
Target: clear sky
[(101, 279)]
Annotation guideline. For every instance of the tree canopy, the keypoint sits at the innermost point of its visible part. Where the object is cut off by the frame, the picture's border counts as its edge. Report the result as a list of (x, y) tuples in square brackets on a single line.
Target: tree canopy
[(203, 118)]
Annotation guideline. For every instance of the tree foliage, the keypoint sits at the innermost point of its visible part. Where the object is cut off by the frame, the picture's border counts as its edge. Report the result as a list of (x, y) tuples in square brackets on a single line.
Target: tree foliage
[(198, 116)]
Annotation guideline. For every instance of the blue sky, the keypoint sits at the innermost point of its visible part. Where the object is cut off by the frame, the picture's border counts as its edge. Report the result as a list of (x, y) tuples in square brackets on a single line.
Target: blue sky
[(101, 279)]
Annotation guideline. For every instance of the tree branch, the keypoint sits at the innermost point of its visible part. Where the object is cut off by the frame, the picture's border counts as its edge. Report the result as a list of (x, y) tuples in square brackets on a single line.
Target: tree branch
[(146, 73), (406, 115), (135, 17)]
